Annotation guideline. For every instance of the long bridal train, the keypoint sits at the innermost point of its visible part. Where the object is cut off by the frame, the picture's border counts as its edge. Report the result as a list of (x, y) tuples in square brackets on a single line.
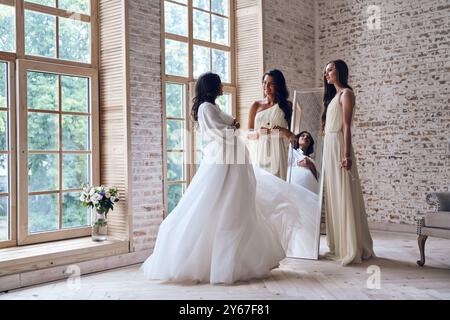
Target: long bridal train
[(293, 210)]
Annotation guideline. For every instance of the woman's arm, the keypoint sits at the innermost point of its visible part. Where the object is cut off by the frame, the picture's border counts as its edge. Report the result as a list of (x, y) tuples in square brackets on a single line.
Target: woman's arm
[(348, 102), (253, 135), (252, 114), (215, 118), (309, 164), (284, 132), (226, 118)]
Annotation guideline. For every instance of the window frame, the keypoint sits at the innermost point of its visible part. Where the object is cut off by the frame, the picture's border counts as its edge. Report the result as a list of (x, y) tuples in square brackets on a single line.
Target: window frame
[(21, 5), (12, 194), (22, 67), (18, 63), (189, 85)]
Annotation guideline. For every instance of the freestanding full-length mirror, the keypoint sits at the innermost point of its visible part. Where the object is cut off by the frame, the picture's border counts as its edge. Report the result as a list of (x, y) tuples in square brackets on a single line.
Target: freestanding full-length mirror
[(306, 116)]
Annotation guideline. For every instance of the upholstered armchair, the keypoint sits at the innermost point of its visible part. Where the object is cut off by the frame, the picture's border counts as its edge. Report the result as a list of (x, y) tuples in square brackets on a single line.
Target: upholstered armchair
[(434, 224)]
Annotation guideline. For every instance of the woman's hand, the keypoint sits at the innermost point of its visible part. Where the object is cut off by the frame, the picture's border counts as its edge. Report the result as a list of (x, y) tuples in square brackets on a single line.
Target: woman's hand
[(305, 163), (265, 131), (308, 164), (346, 163), (285, 132), (252, 135), (282, 130)]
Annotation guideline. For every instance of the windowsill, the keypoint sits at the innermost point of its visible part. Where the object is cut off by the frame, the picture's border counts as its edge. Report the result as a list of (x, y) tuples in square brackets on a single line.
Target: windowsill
[(56, 253)]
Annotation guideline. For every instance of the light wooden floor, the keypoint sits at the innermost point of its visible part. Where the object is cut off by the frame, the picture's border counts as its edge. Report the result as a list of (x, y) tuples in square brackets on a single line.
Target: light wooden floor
[(400, 278)]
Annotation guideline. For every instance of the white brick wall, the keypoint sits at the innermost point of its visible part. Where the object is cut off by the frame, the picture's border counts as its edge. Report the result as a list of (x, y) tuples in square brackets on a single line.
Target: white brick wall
[(400, 74), (288, 27), (146, 120)]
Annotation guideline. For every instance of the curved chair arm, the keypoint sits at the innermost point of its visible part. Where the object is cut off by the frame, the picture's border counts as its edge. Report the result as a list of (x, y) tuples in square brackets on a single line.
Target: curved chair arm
[(439, 199)]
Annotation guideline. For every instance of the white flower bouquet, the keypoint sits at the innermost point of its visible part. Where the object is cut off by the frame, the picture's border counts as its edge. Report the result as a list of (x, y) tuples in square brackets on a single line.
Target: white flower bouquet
[(100, 198)]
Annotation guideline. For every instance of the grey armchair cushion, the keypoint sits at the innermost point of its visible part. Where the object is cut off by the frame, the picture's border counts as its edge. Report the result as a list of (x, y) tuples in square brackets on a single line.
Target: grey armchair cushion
[(438, 220), (436, 232), (434, 224), (439, 199)]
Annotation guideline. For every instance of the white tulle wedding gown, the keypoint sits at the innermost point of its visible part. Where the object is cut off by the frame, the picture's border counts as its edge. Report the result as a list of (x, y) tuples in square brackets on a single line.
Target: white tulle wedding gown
[(227, 226), (300, 175)]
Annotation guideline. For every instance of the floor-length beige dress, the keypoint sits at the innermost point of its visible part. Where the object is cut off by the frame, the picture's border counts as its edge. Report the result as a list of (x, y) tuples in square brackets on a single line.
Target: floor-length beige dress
[(348, 235), (271, 151)]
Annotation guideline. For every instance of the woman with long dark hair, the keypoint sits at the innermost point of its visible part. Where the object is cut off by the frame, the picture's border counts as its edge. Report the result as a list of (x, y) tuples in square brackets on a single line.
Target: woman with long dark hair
[(347, 229), (266, 117), (303, 169), (208, 88)]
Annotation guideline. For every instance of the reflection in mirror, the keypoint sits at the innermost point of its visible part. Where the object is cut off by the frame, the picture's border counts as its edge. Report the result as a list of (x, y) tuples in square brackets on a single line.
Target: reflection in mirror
[(305, 166)]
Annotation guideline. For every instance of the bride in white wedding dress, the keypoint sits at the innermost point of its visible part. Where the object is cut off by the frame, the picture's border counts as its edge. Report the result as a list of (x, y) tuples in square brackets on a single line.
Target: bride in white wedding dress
[(303, 170), (234, 221)]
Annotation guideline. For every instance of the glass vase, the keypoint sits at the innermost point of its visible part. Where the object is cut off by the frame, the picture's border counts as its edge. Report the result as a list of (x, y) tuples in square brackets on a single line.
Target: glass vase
[(100, 227)]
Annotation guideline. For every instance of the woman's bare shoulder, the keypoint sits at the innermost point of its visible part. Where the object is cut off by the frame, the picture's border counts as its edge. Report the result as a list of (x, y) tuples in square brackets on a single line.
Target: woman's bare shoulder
[(347, 92), (347, 95), (257, 105)]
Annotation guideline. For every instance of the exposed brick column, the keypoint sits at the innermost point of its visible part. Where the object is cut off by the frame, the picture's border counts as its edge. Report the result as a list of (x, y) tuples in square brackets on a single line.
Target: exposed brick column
[(144, 50)]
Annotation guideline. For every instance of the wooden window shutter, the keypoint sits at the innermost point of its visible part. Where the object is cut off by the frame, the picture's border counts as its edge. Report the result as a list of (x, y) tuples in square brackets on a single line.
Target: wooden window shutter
[(250, 67)]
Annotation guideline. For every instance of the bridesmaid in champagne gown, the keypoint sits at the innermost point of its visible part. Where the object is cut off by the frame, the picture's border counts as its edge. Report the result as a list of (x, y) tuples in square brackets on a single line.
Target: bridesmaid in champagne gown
[(272, 149), (348, 235), (270, 152)]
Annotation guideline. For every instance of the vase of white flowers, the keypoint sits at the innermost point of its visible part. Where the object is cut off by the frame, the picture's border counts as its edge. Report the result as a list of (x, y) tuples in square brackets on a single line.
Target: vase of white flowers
[(99, 227), (101, 199)]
